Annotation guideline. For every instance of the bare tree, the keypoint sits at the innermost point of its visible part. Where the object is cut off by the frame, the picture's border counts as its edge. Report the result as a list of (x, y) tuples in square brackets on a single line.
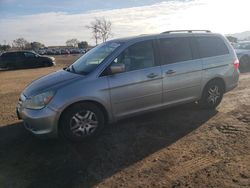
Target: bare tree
[(4, 47), (95, 30), (105, 29), (72, 42), (20, 43), (101, 29)]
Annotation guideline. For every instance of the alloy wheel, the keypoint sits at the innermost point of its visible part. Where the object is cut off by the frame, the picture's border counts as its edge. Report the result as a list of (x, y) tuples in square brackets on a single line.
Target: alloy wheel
[(83, 123), (213, 95)]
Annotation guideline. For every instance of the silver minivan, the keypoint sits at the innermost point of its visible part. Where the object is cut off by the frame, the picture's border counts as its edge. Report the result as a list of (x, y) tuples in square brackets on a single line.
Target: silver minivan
[(130, 76)]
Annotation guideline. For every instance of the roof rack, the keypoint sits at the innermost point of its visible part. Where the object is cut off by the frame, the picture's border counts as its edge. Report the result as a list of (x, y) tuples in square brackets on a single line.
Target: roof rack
[(188, 31)]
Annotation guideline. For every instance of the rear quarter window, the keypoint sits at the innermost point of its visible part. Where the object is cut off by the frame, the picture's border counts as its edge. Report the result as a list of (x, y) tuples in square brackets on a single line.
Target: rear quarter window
[(211, 46)]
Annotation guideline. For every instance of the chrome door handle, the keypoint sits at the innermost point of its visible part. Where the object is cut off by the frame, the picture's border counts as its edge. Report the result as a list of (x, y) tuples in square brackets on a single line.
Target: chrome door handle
[(152, 75), (170, 72)]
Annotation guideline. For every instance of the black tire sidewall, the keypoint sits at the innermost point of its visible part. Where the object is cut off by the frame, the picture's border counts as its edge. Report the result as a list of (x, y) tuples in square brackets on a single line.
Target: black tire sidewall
[(66, 117), (204, 102), (46, 64)]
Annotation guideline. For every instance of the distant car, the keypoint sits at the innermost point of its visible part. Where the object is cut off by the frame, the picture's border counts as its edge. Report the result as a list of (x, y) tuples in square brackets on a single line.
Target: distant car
[(242, 50), (50, 52), (65, 52), (75, 51), (41, 52), (82, 51), (24, 59), (57, 52)]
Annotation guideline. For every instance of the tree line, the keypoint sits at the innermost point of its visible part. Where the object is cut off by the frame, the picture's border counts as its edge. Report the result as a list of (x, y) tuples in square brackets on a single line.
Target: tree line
[(23, 44), (100, 29)]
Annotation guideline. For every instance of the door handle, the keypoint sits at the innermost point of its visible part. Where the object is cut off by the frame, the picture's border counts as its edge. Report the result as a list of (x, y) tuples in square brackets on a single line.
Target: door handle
[(170, 72), (152, 75)]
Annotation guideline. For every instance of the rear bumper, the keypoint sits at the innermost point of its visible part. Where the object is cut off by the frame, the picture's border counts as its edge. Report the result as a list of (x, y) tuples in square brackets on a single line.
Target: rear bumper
[(42, 123), (232, 81)]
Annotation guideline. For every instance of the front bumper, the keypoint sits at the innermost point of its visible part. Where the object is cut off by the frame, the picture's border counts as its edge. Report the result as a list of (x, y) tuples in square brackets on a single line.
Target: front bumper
[(42, 123)]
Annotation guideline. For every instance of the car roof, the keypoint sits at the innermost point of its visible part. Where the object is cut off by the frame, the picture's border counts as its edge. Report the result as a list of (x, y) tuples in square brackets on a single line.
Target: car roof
[(164, 34)]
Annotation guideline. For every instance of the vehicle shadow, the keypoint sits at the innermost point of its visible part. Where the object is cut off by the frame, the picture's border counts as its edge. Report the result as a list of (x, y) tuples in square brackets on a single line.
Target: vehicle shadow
[(27, 161)]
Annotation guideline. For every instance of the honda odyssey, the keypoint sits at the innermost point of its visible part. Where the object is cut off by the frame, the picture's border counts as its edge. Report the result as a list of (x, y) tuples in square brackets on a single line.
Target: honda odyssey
[(129, 76)]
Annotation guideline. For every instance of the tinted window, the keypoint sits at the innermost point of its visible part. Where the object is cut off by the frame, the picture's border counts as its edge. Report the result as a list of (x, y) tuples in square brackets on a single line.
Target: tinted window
[(175, 50), (7, 55), (19, 54), (137, 56), (29, 54), (211, 46)]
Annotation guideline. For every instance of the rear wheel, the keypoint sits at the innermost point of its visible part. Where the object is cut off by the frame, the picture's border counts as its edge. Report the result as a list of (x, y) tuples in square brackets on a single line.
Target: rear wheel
[(212, 94), (82, 121)]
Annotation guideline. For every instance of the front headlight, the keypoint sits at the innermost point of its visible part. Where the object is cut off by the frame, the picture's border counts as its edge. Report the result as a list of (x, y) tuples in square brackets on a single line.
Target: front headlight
[(38, 101)]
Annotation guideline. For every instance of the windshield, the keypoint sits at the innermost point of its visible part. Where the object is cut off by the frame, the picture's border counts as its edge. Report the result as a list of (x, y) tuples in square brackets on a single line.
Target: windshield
[(88, 62), (245, 46)]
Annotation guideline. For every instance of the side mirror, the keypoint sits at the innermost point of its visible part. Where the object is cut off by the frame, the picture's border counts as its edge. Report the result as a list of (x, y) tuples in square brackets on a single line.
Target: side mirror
[(117, 68)]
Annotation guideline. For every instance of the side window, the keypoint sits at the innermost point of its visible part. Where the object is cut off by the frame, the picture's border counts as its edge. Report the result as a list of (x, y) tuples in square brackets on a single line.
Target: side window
[(175, 50), (211, 46), (137, 56), (7, 55), (28, 54), (19, 54)]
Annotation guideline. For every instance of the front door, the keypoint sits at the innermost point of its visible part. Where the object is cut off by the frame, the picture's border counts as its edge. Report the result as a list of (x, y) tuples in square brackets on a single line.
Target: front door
[(139, 88)]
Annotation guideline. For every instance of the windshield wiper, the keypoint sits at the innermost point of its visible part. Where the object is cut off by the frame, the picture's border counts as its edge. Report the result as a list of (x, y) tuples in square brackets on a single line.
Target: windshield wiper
[(70, 69), (66, 69)]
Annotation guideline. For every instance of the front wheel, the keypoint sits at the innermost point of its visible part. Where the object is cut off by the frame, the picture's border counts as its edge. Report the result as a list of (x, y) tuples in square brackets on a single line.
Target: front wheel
[(212, 95), (46, 64), (82, 121)]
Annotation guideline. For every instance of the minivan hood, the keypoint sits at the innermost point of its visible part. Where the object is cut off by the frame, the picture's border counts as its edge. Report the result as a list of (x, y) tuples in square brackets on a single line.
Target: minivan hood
[(50, 81)]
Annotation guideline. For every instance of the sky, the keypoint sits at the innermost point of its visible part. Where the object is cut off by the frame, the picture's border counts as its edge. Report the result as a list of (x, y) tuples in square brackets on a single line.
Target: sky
[(52, 22)]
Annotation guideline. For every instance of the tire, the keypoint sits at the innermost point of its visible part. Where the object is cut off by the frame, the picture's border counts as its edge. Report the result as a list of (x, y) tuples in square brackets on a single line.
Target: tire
[(46, 64), (212, 94), (82, 121)]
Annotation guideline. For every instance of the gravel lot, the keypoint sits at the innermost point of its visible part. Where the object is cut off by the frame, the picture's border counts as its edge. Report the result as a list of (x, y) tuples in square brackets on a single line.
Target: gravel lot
[(177, 147)]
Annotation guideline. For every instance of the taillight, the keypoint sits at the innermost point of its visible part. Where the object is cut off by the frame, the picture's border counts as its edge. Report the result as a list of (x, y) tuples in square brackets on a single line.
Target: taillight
[(236, 64)]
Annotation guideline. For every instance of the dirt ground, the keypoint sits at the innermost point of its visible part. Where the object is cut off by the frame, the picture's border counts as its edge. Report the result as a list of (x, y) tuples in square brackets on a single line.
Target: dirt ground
[(177, 147)]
